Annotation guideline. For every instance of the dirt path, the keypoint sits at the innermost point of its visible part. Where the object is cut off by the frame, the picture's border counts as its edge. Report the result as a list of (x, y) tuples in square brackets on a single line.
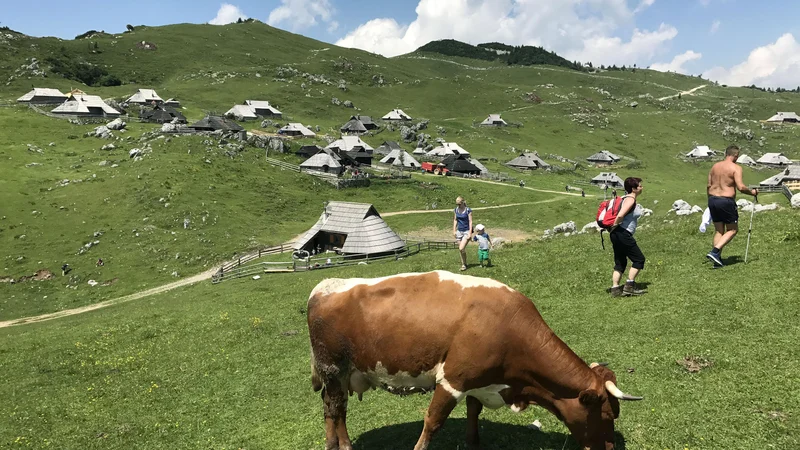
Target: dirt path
[(689, 92), (477, 208), (477, 180), (71, 312), (207, 274)]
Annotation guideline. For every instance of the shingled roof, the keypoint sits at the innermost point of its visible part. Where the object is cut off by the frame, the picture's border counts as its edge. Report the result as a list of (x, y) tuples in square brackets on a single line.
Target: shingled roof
[(603, 156), (213, 123), (791, 173), (608, 179), (528, 161), (365, 231)]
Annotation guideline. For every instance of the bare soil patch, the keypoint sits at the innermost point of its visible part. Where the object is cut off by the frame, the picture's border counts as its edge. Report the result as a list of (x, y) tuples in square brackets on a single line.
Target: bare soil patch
[(443, 234), (694, 364)]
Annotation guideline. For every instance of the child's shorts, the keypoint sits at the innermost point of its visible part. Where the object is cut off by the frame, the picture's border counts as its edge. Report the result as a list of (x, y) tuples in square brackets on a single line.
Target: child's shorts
[(483, 254)]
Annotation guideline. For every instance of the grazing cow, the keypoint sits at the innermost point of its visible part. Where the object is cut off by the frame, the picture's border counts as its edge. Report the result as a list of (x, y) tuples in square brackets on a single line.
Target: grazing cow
[(461, 337)]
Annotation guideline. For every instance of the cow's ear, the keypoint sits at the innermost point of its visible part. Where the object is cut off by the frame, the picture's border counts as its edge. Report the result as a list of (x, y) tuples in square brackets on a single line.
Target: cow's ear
[(589, 397)]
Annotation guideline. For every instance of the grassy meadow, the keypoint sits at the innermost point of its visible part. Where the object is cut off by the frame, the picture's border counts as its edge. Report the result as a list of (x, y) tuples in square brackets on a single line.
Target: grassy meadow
[(226, 366)]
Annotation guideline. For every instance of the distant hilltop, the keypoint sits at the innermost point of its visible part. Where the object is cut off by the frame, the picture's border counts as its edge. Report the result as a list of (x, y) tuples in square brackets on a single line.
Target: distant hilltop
[(523, 55)]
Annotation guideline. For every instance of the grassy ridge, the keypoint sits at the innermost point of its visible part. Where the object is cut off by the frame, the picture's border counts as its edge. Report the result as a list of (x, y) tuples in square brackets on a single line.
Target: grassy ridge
[(134, 376)]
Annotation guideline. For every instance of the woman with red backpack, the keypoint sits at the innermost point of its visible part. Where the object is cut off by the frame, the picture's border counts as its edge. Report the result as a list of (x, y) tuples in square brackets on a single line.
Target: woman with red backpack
[(625, 246)]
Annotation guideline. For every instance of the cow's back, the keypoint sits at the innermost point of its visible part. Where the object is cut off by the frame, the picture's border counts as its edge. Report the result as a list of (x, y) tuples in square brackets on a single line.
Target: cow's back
[(408, 322)]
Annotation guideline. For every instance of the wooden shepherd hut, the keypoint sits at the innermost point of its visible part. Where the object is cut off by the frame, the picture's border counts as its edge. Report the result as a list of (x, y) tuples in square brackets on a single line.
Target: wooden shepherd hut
[(351, 229), (528, 161)]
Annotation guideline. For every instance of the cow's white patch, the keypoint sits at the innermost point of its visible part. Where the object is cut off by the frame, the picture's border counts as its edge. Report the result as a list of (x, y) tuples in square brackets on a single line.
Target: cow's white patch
[(489, 395), (467, 281), (336, 285), (381, 377), (442, 381)]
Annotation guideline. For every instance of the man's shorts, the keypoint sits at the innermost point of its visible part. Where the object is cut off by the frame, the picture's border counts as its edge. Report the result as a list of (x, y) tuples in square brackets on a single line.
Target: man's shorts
[(723, 209), (483, 254)]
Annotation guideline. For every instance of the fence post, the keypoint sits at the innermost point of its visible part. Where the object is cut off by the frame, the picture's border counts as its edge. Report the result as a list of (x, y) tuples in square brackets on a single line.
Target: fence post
[(240, 260), (259, 253)]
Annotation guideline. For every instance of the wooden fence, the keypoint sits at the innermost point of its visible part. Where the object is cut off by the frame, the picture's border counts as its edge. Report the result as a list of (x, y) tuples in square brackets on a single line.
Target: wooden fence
[(783, 189), (247, 257), (234, 270)]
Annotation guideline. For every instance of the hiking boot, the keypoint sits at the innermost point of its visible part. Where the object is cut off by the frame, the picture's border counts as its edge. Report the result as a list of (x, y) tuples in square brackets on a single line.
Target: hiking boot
[(715, 258), (616, 291), (630, 289)]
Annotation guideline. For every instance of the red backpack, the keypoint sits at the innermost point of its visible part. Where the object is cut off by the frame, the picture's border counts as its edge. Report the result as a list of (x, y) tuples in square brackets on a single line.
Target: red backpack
[(607, 214)]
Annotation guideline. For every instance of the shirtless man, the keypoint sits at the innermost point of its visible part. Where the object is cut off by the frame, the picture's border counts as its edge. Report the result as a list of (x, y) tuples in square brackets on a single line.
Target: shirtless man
[(723, 181)]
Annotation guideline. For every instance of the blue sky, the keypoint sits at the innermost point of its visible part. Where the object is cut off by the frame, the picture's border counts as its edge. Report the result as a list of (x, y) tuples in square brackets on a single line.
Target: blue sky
[(678, 35)]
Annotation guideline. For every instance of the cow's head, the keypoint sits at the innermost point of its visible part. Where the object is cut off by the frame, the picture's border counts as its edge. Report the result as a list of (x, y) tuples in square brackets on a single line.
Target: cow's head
[(591, 417)]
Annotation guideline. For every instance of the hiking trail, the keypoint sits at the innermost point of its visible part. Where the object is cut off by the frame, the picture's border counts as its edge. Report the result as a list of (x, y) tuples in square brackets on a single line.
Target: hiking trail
[(208, 273)]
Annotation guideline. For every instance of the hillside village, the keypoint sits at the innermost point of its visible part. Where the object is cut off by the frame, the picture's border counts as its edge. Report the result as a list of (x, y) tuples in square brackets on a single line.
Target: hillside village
[(187, 196)]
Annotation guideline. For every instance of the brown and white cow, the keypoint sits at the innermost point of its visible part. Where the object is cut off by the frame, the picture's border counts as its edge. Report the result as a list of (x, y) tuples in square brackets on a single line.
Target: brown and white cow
[(463, 337)]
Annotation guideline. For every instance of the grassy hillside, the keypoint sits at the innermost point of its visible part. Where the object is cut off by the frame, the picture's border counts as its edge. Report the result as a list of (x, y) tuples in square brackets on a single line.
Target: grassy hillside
[(226, 366), (246, 203)]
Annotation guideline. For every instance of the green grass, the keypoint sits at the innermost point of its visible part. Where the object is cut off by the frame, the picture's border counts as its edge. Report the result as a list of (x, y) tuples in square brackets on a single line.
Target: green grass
[(226, 366), (194, 368)]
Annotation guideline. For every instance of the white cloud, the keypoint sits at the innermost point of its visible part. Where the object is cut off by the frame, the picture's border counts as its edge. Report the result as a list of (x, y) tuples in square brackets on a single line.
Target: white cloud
[(676, 65), (773, 65), (298, 14), (577, 29), (644, 4), (715, 27), (227, 14)]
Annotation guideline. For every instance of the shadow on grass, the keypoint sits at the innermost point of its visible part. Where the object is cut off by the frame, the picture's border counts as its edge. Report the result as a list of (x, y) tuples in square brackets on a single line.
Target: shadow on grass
[(733, 260), (494, 435)]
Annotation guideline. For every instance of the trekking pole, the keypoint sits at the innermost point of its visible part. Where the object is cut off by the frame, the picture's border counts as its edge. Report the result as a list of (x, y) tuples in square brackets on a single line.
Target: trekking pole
[(750, 228)]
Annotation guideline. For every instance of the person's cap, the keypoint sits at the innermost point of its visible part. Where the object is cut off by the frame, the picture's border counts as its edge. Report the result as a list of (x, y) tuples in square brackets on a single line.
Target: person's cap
[(479, 227)]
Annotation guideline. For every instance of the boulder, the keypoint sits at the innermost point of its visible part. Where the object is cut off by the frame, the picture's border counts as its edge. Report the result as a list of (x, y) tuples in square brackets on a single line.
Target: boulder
[(684, 212), (679, 205), (696, 209), (566, 227), (796, 201), (407, 134), (742, 203), (102, 132), (108, 147), (134, 152), (759, 207), (348, 104), (116, 124), (589, 227), (646, 212)]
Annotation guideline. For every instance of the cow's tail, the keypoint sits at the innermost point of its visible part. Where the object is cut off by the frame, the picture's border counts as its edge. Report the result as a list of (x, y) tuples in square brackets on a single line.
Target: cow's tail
[(316, 380)]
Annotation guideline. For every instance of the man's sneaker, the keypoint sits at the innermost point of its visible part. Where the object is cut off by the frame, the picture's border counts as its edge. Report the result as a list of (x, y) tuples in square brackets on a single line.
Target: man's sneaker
[(616, 291), (630, 289), (715, 258)]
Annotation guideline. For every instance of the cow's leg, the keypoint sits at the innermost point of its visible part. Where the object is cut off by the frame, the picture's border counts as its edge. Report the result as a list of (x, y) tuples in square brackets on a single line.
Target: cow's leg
[(331, 440), (474, 408), (441, 406), (335, 409)]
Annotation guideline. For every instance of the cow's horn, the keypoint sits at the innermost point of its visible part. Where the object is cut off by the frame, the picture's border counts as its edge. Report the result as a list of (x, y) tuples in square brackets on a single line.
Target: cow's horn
[(595, 364), (614, 390)]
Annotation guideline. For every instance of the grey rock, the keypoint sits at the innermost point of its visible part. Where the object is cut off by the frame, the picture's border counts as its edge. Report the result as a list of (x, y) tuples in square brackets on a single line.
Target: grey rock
[(116, 124)]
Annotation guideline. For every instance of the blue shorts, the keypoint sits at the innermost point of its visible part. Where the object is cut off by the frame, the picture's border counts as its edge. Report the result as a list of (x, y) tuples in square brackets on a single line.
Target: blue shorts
[(723, 209)]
